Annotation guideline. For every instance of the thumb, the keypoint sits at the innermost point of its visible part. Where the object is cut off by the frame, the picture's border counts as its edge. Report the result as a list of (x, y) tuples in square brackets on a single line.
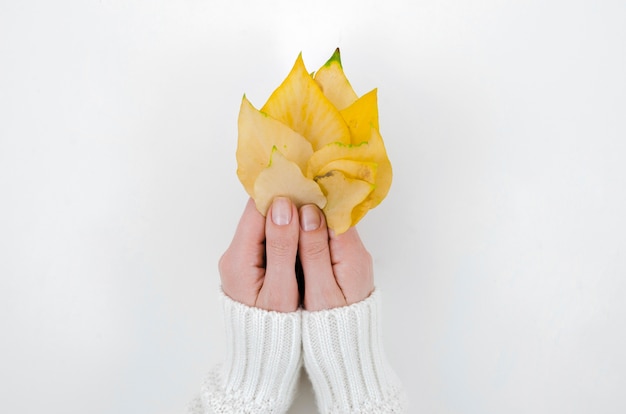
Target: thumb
[(280, 287), (242, 266), (321, 289)]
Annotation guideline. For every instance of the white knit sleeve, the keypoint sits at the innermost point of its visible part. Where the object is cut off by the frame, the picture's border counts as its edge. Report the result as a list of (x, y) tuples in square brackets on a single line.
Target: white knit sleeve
[(262, 366), (344, 357)]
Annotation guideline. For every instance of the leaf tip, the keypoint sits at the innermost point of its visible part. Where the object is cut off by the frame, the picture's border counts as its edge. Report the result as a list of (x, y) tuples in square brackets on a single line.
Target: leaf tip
[(336, 57)]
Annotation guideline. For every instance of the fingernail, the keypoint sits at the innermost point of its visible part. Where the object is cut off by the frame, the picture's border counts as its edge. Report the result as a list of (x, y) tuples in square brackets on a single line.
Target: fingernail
[(310, 218), (281, 211)]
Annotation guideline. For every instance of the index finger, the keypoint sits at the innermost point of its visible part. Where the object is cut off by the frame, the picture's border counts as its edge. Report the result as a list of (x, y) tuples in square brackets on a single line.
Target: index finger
[(251, 227), (243, 262)]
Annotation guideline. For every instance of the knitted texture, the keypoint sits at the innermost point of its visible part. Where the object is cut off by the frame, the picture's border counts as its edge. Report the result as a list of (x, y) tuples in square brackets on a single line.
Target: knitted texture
[(262, 366), (343, 354)]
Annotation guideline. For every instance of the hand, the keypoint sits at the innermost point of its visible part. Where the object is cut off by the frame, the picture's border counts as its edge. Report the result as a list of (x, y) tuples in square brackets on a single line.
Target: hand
[(258, 268), (337, 270)]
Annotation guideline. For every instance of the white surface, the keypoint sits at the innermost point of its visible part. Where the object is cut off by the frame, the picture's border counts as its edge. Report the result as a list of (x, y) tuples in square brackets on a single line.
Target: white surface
[(500, 249)]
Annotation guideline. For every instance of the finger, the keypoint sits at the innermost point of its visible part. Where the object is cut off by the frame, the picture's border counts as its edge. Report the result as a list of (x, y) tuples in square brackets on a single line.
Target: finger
[(280, 287), (352, 265), (241, 267), (250, 231), (320, 287)]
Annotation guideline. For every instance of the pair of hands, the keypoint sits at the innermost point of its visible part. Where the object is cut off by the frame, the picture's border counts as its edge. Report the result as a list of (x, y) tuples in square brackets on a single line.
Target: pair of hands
[(259, 267)]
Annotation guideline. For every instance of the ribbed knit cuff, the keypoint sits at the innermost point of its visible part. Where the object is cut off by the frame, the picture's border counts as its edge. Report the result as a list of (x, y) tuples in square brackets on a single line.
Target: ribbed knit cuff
[(263, 362), (344, 357)]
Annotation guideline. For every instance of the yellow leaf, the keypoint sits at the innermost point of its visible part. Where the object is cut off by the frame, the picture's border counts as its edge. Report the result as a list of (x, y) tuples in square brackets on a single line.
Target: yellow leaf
[(384, 174), (284, 178), (321, 142), (300, 104), (361, 116), (372, 151), (334, 84), (361, 210), (343, 194), (360, 170), (258, 134)]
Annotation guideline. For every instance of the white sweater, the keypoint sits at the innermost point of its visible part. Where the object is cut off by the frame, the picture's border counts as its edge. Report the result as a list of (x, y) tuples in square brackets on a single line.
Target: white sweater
[(342, 351)]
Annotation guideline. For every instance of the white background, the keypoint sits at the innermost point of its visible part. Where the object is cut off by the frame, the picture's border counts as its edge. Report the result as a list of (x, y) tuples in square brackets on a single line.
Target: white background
[(500, 249)]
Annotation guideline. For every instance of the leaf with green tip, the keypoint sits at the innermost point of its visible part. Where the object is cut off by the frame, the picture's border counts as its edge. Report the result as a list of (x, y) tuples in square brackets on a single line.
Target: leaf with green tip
[(300, 104), (333, 82)]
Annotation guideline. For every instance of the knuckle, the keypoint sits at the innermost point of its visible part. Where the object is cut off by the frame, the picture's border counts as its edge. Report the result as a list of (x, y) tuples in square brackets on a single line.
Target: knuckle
[(280, 247), (314, 250)]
